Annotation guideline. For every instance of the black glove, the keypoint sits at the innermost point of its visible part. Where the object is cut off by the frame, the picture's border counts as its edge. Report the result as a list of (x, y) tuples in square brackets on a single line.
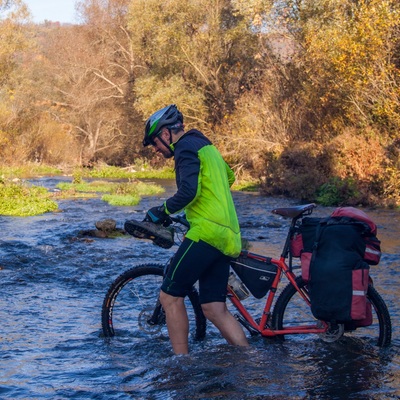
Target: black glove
[(157, 215)]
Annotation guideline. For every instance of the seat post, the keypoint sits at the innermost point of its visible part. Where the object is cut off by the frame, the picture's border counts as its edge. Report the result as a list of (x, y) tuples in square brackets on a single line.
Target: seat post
[(286, 247)]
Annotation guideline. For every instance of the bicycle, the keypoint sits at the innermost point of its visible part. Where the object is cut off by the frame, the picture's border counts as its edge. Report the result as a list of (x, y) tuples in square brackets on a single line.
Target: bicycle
[(288, 314)]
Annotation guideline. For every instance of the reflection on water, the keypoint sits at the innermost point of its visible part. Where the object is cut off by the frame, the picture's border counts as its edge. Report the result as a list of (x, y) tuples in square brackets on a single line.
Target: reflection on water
[(52, 286)]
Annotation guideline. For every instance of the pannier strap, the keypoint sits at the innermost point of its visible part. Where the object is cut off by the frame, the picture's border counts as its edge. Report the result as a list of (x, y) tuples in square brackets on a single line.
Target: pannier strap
[(294, 212)]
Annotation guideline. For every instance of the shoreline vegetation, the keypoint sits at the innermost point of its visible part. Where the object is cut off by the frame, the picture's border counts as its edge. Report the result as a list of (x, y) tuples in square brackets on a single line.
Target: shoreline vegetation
[(116, 186)]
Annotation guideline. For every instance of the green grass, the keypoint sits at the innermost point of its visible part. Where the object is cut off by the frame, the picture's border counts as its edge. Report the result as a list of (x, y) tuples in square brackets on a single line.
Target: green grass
[(29, 170), (104, 172), (141, 171), (246, 186), (337, 191), (116, 193), (88, 187), (121, 200), (22, 200), (165, 173)]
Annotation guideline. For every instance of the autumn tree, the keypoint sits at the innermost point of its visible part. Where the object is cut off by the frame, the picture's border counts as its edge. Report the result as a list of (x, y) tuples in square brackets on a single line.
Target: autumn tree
[(344, 83), (13, 35), (89, 70), (15, 38), (201, 55), (344, 68)]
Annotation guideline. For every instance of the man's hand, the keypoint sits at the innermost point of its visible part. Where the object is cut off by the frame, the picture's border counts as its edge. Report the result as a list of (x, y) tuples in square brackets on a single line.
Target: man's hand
[(156, 215)]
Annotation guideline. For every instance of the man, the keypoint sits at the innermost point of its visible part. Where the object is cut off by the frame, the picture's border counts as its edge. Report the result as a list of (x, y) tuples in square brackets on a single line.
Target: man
[(203, 181)]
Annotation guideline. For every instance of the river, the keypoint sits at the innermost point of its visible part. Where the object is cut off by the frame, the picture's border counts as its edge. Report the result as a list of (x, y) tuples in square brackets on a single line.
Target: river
[(52, 285)]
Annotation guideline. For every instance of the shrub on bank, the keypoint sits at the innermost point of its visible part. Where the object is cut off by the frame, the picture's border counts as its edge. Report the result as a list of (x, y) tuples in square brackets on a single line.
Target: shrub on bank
[(350, 169)]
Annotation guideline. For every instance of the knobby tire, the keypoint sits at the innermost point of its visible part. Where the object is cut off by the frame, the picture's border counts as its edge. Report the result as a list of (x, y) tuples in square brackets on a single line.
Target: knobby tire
[(292, 310), (132, 299)]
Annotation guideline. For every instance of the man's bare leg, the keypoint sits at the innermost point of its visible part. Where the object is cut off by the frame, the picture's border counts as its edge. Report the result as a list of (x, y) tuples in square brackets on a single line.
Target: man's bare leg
[(177, 322), (229, 327)]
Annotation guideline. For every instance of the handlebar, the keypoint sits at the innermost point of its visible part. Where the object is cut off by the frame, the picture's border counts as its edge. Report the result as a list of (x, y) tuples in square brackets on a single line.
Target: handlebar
[(181, 219)]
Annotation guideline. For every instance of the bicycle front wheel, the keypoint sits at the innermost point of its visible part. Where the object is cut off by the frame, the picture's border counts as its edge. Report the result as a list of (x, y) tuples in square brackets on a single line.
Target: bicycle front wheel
[(131, 306), (291, 310)]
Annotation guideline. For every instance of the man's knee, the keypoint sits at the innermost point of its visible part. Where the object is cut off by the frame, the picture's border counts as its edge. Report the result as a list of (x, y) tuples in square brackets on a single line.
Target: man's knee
[(213, 310), (167, 300)]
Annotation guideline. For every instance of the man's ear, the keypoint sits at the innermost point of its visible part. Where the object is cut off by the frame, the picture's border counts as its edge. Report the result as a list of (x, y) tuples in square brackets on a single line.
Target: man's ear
[(164, 133)]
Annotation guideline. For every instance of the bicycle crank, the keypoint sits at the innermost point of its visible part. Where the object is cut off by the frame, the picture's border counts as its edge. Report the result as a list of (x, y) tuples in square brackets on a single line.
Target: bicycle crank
[(245, 324)]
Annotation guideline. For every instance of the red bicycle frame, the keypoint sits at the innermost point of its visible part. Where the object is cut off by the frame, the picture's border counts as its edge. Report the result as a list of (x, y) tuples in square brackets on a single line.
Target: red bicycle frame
[(263, 326)]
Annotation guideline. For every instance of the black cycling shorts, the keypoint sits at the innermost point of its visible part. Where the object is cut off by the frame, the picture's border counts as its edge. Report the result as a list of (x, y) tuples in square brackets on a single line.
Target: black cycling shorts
[(198, 261)]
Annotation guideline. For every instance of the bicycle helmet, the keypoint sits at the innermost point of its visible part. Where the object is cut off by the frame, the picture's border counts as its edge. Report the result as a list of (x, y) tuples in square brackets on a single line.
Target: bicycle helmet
[(169, 117)]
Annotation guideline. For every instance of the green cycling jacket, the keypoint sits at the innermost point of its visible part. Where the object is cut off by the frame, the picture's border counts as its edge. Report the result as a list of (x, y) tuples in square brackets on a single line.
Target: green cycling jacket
[(203, 180)]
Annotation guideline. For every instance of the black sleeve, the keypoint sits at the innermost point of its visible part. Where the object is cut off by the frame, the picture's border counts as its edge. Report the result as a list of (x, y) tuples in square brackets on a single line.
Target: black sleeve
[(187, 172)]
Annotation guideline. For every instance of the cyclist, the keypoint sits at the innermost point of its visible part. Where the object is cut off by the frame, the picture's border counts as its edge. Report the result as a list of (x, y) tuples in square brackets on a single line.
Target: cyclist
[(203, 191)]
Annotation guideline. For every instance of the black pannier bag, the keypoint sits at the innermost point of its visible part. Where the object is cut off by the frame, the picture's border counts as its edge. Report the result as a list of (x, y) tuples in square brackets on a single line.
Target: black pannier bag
[(335, 254), (337, 263), (255, 271), (339, 276)]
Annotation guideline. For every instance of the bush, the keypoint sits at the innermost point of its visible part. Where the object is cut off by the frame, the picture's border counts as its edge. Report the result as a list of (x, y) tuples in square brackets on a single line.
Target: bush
[(297, 171), (353, 168), (337, 192)]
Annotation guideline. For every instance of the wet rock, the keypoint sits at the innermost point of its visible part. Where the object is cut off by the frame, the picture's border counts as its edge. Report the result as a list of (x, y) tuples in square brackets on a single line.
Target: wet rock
[(273, 225), (106, 228), (93, 233), (106, 225)]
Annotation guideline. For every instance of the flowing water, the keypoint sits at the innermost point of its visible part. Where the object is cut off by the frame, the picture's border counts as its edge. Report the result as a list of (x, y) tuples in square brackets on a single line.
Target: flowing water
[(52, 285)]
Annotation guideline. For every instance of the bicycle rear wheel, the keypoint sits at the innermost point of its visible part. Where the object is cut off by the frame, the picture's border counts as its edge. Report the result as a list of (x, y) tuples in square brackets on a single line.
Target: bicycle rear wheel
[(291, 310), (131, 306)]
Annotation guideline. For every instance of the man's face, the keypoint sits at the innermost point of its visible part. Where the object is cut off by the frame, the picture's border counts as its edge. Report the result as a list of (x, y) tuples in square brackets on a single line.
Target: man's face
[(159, 146)]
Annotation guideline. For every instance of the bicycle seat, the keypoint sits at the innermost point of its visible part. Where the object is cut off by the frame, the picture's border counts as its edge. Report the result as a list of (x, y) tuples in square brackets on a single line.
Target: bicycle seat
[(294, 212)]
